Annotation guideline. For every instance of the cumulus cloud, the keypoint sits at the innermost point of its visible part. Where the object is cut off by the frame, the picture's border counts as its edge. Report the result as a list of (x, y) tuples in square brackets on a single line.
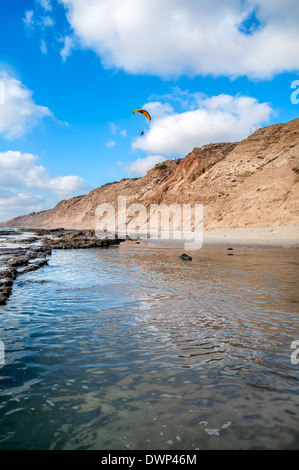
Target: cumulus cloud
[(142, 165), (19, 170), (25, 186), (19, 203), (222, 118), (19, 112), (257, 38)]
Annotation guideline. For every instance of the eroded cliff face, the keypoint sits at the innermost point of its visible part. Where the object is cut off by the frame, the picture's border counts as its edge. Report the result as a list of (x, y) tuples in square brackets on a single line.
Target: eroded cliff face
[(245, 184)]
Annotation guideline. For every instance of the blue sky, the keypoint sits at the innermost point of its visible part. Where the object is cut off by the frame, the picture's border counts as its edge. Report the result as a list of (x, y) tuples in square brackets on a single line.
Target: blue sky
[(73, 71)]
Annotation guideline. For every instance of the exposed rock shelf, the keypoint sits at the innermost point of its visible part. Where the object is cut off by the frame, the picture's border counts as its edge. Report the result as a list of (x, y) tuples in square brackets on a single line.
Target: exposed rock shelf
[(32, 252)]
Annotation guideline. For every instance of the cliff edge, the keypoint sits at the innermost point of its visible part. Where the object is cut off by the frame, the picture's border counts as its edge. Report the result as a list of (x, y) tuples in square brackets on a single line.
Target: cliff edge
[(252, 183)]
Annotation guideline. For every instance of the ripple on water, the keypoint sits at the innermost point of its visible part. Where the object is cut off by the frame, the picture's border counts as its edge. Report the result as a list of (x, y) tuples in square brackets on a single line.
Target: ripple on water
[(129, 348)]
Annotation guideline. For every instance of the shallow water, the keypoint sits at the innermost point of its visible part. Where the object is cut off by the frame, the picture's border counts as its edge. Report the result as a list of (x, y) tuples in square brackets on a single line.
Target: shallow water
[(132, 348)]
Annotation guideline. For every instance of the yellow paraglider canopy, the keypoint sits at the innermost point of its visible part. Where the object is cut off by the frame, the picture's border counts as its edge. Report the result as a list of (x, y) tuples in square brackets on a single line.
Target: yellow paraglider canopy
[(144, 112)]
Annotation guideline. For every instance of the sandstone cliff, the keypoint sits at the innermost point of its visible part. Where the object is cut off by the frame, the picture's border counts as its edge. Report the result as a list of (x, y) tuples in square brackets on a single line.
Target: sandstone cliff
[(246, 184)]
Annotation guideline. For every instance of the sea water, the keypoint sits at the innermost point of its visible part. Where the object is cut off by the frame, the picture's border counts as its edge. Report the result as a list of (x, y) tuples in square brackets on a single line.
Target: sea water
[(132, 348)]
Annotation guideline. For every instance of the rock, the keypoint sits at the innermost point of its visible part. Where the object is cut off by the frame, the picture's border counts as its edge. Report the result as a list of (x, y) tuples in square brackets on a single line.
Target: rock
[(6, 283), (20, 260), (185, 257), (28, 240)]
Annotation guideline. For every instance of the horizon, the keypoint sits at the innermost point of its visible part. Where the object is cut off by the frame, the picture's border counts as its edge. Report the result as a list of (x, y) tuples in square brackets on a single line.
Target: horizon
[(72, 72)]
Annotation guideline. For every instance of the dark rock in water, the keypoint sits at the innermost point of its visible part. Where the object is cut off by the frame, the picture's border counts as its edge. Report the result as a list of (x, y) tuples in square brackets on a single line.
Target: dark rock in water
[(71, 239), (230, 249), (185, 257), (7, 276)]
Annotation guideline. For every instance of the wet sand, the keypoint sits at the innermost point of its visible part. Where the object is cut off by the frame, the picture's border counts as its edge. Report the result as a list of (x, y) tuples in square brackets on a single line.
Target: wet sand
[(263, 237), (283, 237)]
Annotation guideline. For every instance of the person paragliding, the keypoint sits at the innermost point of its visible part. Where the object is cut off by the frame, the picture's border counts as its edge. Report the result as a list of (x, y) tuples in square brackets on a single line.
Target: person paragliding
[(144, 112)]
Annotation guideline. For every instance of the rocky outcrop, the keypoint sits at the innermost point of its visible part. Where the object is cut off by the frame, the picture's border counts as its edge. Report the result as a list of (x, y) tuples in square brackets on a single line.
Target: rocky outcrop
[(32, 252), (17, 261), (245, 184)]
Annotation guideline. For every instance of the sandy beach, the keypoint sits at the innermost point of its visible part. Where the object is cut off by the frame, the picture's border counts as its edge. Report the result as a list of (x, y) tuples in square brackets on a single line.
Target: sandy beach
[(283, 237), (263, 237)]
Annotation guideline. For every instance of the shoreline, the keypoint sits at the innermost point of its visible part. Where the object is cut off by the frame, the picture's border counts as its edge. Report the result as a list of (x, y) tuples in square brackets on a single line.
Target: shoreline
[(25, 254), (249, 237), (263, 237)]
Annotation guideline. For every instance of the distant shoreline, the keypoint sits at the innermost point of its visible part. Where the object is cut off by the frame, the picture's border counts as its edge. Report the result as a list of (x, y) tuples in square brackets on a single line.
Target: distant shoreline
[(285, 236), (263, 237), (32, 252)]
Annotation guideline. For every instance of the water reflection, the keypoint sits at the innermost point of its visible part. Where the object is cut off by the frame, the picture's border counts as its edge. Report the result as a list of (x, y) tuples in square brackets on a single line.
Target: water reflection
[(132, 348)]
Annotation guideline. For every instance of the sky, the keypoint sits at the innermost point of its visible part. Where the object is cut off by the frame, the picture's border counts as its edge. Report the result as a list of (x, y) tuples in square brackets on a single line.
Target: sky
[(73, 71)]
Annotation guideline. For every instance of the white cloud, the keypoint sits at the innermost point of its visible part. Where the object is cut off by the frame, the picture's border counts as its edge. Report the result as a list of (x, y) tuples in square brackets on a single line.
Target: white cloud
[(45, 4), (28, 20), (62, 185), (113, 128), (43, 46), (25, 187), (220, 118), (19, 170), (110, 143), (142, 165), (19, 112), (159, 110), (68, 45), (34, 19), (257, 38), (14, 203), (47, 21)]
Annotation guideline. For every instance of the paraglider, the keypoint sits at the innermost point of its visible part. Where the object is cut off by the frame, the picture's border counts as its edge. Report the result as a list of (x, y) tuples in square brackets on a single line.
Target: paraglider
[(144, 112)]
